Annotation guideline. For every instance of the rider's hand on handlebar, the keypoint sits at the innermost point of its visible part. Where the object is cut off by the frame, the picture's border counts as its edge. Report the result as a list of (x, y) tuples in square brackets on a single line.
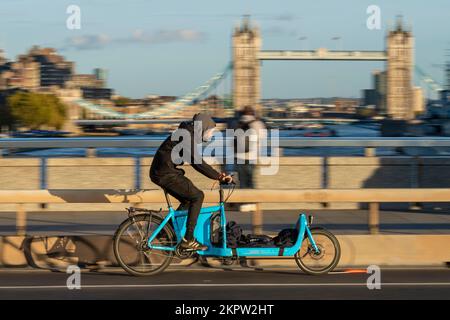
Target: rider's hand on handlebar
[(224, 178)]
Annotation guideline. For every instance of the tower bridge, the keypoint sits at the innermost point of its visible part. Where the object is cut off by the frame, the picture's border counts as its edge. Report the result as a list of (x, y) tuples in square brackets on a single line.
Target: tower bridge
[(322, 54), (398, 55), (246, 77)]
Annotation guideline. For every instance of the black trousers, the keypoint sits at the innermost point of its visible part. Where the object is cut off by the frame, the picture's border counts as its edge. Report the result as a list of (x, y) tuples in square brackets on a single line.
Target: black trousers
[(245, 173), (190, 197)]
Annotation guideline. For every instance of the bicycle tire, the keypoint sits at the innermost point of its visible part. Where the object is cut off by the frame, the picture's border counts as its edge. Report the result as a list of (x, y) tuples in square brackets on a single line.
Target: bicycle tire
[(117, 241), (330, 267)]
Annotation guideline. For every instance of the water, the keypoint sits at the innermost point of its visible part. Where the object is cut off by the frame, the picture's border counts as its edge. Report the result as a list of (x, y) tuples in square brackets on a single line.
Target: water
[(343, 130)]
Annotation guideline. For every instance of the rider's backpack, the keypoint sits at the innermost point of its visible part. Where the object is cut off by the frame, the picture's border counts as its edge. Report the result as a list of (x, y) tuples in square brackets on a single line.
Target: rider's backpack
[(286, 238), (237, 139), (234, 235), (258, 240), (216, 230)]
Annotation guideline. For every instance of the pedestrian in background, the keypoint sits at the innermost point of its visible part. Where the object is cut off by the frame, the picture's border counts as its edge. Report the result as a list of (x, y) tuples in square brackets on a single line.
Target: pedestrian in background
[(246, 158)]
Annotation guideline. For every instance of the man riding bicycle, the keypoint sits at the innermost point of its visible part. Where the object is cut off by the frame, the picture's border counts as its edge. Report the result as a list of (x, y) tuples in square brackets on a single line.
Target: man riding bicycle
[(165, 173)]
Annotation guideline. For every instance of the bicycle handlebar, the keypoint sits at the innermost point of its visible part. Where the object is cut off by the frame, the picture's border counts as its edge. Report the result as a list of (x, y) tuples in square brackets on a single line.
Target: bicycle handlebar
[(223, 183)]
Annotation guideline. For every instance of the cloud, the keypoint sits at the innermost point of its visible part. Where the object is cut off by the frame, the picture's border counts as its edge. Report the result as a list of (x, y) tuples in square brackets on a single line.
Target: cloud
[(282, 17), (167, 36), (285, 17), (277, 31), (99, 41), (87, 42)]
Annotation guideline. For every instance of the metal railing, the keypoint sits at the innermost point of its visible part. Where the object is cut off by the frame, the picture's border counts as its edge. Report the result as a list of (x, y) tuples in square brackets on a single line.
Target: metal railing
[(92, 144), (371, 196), (153, 142)]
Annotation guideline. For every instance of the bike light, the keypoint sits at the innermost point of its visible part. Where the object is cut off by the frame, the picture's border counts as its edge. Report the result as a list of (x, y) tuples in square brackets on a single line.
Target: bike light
[(310, 220)]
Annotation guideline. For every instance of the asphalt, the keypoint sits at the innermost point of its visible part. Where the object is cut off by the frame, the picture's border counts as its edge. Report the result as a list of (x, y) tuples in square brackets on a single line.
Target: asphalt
[(190, 283)]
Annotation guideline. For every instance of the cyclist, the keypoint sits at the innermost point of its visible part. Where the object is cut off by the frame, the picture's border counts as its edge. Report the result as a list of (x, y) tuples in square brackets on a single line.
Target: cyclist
[(165, 173)]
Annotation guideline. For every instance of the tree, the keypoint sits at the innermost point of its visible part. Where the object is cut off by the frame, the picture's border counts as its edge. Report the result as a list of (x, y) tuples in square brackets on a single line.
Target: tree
[(34, 110), (364, 112), (5, 115), (122, 101)]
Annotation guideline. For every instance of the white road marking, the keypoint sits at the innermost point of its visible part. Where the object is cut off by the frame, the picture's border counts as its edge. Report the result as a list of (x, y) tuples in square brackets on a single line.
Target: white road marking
[(178, 285), (220, 269)]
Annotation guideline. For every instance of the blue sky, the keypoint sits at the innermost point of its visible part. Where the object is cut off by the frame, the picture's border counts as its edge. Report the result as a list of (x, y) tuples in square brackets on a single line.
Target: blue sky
[(170, 47)]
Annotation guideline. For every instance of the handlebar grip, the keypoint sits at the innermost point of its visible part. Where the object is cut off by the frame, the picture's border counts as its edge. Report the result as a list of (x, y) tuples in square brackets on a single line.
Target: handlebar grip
[(224, 183)]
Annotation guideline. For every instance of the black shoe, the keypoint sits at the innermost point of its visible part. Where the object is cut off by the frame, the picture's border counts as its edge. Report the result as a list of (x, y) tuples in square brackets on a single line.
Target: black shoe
[(192, 245)]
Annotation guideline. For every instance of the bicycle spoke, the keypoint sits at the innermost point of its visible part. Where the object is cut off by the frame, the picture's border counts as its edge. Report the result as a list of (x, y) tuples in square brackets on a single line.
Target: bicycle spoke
[(143, 258), (132, 237), (133, 250), (137, 226), (321, 260)]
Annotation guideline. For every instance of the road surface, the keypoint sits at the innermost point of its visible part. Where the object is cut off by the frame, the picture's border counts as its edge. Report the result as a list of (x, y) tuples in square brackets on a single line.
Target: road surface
[(238, 283)]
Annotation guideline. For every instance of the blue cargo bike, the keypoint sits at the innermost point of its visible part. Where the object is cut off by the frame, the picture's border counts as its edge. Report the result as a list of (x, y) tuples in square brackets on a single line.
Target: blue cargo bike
[(146, 243)]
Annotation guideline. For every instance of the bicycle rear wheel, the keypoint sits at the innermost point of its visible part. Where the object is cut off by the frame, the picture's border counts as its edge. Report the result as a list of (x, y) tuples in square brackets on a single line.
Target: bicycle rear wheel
[(131, 249), (316, 263)]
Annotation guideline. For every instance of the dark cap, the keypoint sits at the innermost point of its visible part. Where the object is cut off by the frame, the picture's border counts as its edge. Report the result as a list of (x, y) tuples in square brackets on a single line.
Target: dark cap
[(248, 111), (206, 120)]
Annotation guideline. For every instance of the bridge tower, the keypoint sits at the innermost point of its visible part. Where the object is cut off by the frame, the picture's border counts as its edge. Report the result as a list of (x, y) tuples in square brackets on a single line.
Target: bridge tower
[(400, 64), (246, 66)]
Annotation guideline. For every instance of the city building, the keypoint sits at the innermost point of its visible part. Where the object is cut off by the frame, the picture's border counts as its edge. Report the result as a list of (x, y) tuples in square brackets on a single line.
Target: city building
[(441, 107), (445, 97), (2, 57), (380, 87), (54, 69), (346, 105), (246, 44), (418, 99), (447, 76), (400, 63), (370, 97), (100, 74), (84, 80), (24, 74), (94, 93), (38, 68), (5, 75), (214, 105), (42, 69)]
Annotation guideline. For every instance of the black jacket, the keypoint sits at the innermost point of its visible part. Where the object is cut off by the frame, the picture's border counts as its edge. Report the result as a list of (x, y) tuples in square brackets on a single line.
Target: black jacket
[(164, 168)]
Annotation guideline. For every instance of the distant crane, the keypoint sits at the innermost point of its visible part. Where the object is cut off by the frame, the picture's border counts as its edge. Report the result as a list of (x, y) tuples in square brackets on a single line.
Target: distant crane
[(433, 85), (446, 67)]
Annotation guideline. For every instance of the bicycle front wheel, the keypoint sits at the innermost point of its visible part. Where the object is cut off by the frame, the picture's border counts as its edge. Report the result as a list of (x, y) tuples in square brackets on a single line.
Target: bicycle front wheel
[(324, 261), (131, 249)]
